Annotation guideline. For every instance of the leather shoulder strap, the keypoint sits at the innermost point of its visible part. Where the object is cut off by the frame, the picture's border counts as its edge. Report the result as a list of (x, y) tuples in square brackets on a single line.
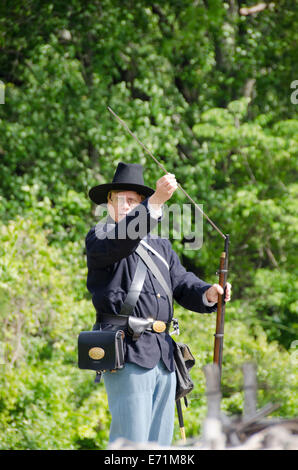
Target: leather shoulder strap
[(149, 247), (155, 271), (135, 289)]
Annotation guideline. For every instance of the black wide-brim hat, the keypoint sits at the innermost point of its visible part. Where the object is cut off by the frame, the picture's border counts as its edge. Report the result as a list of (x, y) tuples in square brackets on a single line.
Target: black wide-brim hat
[(128, 177)]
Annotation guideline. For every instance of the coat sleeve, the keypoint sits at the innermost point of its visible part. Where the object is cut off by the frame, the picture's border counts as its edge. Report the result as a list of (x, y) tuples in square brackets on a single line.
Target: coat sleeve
[(105, 247), (188, 289)]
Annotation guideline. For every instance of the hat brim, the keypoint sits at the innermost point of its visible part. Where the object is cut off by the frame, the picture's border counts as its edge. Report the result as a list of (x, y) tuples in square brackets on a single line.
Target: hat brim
[(99, 194)]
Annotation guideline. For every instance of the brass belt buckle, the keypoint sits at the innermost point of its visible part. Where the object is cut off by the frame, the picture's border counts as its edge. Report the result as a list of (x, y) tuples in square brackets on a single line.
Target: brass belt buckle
[(159, 326)]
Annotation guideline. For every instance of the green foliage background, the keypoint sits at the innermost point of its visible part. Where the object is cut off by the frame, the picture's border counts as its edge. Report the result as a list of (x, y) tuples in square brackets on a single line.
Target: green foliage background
[(208, 90)]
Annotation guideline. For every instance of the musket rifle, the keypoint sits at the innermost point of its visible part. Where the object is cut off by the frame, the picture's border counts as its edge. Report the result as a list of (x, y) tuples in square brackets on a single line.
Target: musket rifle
[(220, 317)]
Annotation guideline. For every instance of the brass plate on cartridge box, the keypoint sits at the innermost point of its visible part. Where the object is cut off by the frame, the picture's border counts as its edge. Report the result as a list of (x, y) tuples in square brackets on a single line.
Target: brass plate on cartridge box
[(96, 353)]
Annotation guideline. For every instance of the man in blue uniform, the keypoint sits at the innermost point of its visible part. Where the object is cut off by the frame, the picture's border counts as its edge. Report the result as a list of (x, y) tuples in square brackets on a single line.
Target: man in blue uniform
[(141, 396)]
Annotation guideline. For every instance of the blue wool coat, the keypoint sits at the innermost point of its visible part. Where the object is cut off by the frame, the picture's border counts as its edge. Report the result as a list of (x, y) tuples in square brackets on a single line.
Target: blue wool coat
[(111, 262)]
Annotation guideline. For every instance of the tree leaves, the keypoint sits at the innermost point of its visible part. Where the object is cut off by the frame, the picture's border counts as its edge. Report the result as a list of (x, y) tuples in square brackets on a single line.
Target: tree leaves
[(208, 90)]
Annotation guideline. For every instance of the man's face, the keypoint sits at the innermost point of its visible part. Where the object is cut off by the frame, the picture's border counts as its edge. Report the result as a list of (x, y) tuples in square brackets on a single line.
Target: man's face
[(121, 203)]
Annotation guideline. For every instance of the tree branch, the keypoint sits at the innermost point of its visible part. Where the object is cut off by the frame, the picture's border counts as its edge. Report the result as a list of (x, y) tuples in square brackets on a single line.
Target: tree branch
[(251, 10)]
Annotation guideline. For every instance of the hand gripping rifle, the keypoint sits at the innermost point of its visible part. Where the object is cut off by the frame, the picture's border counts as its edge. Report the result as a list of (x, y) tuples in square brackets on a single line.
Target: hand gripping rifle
[(223, 274)]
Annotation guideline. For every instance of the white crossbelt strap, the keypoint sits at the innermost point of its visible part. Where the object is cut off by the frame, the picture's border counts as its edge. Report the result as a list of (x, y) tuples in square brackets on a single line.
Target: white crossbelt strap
[(155, 252)]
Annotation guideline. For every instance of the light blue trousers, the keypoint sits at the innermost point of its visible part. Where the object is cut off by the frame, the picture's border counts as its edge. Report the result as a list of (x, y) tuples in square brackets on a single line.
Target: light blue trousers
[(142, 403)]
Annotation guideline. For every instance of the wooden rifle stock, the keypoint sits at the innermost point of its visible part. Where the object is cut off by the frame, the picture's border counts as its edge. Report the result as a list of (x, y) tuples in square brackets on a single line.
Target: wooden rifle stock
[(220, 318)]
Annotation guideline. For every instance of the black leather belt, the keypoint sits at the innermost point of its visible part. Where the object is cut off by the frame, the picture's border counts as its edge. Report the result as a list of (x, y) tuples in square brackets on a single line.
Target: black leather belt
[(134, 325)]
